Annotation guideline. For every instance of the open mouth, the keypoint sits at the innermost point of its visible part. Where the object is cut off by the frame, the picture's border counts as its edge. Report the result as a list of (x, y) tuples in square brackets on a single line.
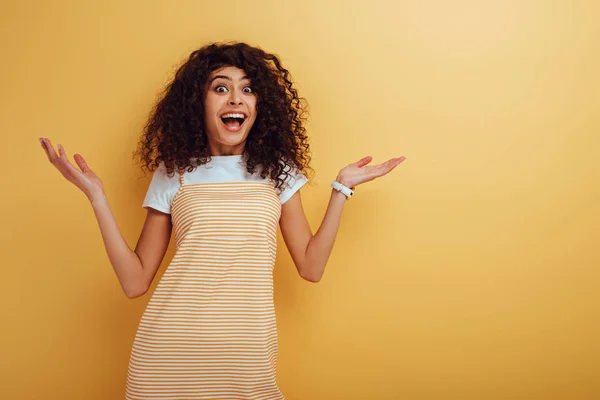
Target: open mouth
[(233, 121)]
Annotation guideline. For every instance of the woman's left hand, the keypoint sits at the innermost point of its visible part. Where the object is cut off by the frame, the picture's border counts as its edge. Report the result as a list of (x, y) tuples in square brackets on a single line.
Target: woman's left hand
[(358, 172)]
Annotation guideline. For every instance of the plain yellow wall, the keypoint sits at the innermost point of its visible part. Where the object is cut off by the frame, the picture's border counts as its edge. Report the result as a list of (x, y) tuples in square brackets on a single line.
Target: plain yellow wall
[(471, 272)]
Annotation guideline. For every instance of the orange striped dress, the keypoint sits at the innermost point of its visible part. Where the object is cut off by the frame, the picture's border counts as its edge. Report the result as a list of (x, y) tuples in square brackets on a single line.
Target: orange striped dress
[(209, 330)]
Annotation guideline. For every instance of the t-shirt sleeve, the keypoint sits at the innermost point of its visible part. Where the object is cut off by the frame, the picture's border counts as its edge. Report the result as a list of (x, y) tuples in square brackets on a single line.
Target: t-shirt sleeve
[(160, 191), (293, 183)]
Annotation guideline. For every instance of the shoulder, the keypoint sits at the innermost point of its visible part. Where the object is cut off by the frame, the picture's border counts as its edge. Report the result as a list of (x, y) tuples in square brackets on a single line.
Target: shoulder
[(162, 189), (293, 179), (162, 176)]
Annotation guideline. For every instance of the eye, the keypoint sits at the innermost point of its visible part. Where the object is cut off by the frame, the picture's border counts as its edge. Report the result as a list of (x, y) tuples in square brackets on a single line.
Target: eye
[(221, 89), (248, 89)]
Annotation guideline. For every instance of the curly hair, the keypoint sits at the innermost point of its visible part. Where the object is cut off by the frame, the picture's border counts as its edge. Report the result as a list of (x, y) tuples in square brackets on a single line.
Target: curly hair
[(175, 132)]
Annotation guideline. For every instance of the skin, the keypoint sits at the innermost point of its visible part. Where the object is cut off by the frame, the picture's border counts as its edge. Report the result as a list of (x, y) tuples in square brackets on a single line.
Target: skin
[(228, 91)]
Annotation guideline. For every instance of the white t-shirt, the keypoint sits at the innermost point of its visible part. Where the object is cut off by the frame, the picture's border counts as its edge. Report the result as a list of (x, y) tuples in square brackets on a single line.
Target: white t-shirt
[(162, 188)]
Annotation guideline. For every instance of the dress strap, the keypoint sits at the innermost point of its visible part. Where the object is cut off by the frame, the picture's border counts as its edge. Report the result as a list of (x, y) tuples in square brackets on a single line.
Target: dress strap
[(181, 178)]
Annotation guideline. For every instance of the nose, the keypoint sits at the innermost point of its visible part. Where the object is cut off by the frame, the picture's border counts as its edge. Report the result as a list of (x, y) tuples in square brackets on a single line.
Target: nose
[(235, 98)]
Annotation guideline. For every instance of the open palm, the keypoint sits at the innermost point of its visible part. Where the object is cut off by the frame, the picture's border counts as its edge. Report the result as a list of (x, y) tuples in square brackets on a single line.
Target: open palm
[(359, 172), (84, 178)]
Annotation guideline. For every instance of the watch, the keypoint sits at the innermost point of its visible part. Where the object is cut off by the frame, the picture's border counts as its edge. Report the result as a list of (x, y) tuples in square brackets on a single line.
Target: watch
[(345, 190)]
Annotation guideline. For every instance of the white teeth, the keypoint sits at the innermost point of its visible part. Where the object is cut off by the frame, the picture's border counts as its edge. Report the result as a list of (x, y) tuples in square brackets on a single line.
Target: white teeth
[(233, 115)]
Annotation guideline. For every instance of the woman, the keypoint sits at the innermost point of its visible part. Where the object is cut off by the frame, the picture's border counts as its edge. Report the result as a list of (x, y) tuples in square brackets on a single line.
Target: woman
[(229, 153)]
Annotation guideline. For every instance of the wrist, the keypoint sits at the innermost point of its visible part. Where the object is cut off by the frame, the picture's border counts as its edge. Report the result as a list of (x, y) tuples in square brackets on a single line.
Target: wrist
[(342, 188), (98, 200), (341, 179)]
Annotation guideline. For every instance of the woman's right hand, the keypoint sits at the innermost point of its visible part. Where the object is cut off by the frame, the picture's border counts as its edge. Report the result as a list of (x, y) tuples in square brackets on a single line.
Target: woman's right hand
[(86, 179)]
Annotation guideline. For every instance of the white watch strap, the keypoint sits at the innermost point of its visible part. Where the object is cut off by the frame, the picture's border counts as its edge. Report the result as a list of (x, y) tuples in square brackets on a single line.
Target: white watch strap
[(346, 191)]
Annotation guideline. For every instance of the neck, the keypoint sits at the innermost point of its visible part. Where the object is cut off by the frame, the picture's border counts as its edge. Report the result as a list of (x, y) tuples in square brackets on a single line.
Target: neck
[(219, 150)]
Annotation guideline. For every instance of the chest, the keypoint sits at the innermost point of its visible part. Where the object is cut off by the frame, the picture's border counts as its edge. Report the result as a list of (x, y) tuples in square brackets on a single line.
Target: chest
[(226, 209)]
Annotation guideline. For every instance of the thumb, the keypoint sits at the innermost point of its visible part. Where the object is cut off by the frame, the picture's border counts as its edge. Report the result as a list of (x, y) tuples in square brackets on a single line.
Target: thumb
[(81, 163), (363, 161)]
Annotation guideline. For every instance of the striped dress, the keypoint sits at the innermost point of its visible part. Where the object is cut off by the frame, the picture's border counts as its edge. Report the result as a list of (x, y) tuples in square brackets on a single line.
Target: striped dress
[(209, 330)]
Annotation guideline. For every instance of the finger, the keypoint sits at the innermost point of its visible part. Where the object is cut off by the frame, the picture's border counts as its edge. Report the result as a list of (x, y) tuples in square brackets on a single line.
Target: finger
[(363, 161), (44, 143), (394, 161), (52, 157), (387, 166), (65, 166), (70, 168), (81, 163), (393, 164), (61, 153), (384, 165)]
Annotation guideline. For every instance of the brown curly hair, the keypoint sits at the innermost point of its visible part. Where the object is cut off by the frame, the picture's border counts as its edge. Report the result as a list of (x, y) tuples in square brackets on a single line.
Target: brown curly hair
[(175, 131)]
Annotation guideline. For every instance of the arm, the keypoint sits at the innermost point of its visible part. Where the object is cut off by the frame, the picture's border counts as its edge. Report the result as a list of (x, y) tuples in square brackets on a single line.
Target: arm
[(311, 252), (135, 269)]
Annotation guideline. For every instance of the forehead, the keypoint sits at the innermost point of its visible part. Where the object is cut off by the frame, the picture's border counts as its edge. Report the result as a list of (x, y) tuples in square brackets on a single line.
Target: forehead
[(233, 73)]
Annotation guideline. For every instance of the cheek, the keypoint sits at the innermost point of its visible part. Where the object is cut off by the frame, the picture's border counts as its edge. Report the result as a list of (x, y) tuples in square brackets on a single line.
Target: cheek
[(252, 106), (212, 105), (210, 110)]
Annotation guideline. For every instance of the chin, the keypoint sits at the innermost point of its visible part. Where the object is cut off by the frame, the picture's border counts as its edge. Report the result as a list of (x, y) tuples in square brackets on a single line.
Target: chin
[(228, 140), (229, 136)]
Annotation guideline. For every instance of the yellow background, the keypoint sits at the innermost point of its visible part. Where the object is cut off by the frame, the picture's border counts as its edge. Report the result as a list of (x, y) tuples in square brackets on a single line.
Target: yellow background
[(470, 272)]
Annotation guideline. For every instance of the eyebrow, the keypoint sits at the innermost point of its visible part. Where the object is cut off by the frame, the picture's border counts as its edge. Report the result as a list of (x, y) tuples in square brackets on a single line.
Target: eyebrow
[(227, 78)]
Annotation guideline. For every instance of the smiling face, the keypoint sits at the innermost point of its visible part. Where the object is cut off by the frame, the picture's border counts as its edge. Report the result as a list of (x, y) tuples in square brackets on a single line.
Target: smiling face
[(229, 111)]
